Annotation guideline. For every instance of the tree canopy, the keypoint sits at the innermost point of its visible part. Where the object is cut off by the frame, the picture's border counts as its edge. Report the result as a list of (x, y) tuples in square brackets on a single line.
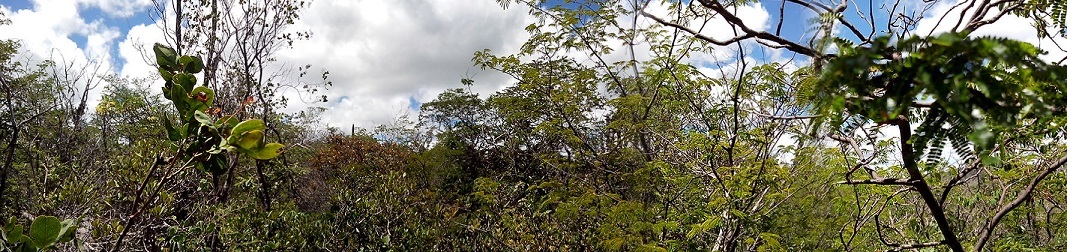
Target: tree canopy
[(626, 125)]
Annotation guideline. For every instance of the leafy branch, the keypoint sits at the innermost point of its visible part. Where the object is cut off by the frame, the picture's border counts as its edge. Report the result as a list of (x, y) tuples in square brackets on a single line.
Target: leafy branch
[(203, 137)]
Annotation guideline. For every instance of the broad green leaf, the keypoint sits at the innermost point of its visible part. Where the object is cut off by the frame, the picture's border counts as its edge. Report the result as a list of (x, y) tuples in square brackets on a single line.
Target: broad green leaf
[(167, 75), (14, 233), (27, 243), (11, 222), (208, 96), (186, 80), (180, 98), (188, 128), (203, 118), (268, 151), (172, 133), (251, 140), (226, 122), (165, 56), (245, 126), (66, 233), (192, 64), (44, 231)]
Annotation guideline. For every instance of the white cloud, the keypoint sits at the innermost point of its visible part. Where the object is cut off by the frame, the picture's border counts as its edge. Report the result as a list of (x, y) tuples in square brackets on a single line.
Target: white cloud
[(48, 32), (99, 42), (135, 49), (380, 53), (46, 27), (1009, 26), (119, 8)]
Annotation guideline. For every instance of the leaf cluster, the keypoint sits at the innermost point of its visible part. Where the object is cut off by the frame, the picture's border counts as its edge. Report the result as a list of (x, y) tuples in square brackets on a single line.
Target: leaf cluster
[(977, 88), (206, 134), (45, 232)]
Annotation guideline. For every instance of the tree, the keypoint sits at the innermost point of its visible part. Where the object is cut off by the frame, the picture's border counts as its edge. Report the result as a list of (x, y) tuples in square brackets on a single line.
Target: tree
[(238, 41), (628, 127), (989, 83)]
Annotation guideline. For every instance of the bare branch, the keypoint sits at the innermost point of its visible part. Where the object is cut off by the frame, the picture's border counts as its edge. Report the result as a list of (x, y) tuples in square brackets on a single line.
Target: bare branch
[(785, 117), (1023, 195), (919, 245), (909, 157), (737, 22), (885, 181), (823, 9)]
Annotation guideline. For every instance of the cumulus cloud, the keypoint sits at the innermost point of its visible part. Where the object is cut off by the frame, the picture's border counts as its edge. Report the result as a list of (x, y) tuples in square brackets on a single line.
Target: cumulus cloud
[(383, 54), (56, 30), (134, 49), (385, 57), (47, 27)]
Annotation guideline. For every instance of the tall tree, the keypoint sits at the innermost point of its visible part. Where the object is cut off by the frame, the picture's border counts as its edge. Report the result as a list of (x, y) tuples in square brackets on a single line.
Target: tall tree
[(875, 77)]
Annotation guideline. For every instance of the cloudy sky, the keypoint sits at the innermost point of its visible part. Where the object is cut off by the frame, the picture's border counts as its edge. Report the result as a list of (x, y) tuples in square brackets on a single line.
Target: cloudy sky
[(385, 56)]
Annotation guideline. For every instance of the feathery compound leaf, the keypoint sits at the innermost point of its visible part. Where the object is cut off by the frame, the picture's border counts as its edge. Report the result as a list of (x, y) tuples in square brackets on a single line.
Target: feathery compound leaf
[(982, 87)]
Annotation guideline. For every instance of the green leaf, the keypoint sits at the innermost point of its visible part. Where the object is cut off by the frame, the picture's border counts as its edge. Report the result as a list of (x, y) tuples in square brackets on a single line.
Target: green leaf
[(251, 140), (15, 235), (203, 118), (226, 122), (268, 151), (991, 160), (166, 91), (167, 75), (172, 133), (180, 98), (27, 243), (216, 164), (11, 221), (650, 247), (203, 95), (245, 126), (709, 223), (12, 230), (192, 64), (45, 231), (186, 80), (188, 129), (165, 56), (770, 241), (66, 233)]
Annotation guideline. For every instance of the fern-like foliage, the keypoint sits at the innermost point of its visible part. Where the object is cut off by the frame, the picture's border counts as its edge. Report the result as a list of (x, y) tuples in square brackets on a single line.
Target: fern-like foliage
[(939, 132), (981, 88), (1045, 14)]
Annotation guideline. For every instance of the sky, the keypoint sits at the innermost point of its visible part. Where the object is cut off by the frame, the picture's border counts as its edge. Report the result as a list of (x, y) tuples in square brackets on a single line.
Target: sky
[(385, 57)]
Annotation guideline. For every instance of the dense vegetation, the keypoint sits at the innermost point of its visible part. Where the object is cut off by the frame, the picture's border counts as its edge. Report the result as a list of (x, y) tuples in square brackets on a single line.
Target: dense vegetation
[(872, 139)]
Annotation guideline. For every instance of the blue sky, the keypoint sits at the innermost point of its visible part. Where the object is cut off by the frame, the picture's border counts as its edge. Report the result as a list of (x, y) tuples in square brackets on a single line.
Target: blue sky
[(123, 24), (18, 4), (101, 17)]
